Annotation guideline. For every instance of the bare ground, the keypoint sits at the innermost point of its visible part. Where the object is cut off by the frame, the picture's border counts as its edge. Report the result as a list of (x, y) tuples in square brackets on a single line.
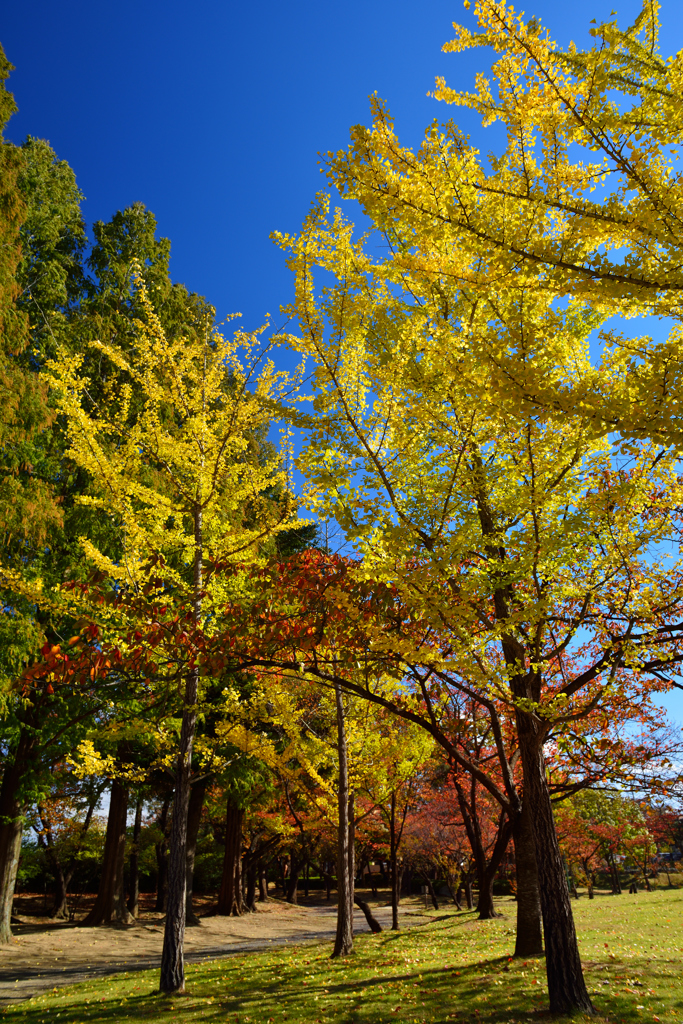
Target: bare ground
[(46, 954)]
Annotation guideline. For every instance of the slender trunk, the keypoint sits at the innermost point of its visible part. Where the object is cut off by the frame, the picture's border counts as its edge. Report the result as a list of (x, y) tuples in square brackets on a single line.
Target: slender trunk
[(307, 869), (352, 852), (262, 883), (343, 944), (393, 854), (172, 964), (455, 890), (566, 986), (134, 862), (60, 906), (292, 891), (430, 890), (467, 886), (616, 883), (194, 818), (529, 941), (250, 900), (373, 923), (110, 903), (646, 880), (161, 850), (12, 812), (485, 870), (230, 895)]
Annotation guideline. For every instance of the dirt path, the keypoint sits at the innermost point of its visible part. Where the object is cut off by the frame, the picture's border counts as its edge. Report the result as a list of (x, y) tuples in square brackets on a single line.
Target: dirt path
[(45, 954)]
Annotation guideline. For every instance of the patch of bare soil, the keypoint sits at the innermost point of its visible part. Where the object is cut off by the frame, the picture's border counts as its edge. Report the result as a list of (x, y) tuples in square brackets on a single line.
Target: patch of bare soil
[(46, 953)]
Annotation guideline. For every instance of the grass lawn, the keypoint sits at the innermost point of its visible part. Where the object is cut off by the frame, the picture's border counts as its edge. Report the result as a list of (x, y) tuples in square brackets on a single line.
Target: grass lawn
[(454, 969)]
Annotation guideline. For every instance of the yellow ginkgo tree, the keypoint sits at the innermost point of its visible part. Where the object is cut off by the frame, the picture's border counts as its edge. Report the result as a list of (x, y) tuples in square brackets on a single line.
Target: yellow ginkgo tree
[(172, 434)]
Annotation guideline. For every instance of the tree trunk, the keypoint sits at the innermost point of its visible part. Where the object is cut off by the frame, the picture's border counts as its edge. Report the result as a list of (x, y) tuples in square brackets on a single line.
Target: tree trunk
[(430, 890), (172, 963), (161, 850), (134, 862), (110, 902), (292, 891), (194, 818), (566, 986), (262, 883), (12, 812), (60, 907), (250, 899), (393, 855), (343, 944), (352, 852), (374, 924), (230, 895), (529, 941), (486, 868)]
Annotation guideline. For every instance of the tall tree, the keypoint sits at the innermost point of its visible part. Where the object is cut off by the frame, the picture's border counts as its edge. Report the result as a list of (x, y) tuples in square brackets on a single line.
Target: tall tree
[(477, 517), (170, 448)]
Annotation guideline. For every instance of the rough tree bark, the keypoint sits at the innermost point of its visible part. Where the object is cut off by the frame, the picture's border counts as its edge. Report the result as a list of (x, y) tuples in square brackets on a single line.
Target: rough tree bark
[(566, 986), (230, 895), (110, 903), (343, 943), (194, 818), (12, 813), (529, 941)]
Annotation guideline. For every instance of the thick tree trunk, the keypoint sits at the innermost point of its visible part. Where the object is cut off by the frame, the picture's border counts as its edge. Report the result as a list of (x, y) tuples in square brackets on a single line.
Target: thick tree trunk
[(343, 944), (230, 895), (134, 862), (194, 818), (110, 903), (12, 812), (529, 941), (566, 986)]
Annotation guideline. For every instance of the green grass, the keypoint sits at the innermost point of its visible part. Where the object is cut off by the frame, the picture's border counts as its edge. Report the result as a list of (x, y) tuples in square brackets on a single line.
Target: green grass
[(454, 969)]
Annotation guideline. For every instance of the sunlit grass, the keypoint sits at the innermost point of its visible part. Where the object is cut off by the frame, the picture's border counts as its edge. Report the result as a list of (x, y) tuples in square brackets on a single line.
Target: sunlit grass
[(453, 969)]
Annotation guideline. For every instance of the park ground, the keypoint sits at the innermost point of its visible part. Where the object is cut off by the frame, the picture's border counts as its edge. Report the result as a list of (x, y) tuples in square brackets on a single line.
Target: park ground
[(449, 968)]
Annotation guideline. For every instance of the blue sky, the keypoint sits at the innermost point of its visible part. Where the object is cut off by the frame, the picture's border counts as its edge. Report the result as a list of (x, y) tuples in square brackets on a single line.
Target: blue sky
[(213, 114)]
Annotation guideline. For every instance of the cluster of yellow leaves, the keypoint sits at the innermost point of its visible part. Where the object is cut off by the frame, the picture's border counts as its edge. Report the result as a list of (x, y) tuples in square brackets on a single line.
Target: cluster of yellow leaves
[(172, 443)]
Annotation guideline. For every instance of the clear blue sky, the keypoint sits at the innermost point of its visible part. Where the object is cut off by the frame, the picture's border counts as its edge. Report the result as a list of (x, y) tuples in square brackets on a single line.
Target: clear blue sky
[(213, 114)]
